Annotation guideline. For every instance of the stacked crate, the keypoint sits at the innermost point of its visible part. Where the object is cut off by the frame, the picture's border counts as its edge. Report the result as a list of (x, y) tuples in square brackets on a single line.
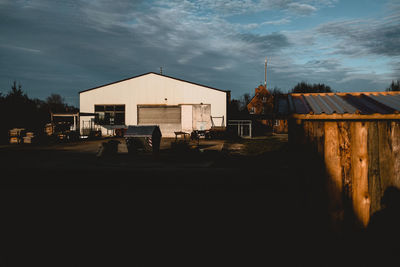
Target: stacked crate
[(16, 135), (29, 138)]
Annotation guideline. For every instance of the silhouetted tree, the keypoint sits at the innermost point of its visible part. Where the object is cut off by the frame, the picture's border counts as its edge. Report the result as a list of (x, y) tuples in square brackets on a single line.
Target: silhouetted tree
[(245, 100), (237, 108), (394, 86), (55, 99), (275, 91), (19, 111), (56, 103), (303, 87), (17, 92), (233, 109)]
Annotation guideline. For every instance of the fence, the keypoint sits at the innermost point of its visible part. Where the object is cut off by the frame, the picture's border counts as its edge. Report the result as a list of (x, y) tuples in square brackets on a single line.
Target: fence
[(88, 127)]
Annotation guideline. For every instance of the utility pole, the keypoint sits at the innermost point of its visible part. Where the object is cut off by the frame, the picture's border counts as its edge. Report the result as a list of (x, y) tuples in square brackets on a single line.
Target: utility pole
[(161, 70), (265, 82)]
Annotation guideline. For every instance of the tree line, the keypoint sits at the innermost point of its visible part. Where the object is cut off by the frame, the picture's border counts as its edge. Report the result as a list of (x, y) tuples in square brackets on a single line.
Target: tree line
[(20, 111)]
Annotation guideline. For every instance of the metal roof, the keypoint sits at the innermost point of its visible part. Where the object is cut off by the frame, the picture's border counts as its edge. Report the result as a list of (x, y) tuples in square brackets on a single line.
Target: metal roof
[(281, 105), (368, 103), (142, 131), (162, 75)]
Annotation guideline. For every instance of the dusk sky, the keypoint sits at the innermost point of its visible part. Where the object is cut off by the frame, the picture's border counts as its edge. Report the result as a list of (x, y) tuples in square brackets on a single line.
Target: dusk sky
[(66, 46)]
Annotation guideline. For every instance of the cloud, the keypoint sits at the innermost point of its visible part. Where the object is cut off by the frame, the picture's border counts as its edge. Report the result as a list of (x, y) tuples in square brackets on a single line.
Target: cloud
[(301, 9), (357, 37), (267, 43), (277, 22), (67, 46), (229, 8)]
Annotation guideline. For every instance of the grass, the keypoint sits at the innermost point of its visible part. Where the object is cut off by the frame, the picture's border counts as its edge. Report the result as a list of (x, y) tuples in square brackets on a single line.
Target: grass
[(258, 146)]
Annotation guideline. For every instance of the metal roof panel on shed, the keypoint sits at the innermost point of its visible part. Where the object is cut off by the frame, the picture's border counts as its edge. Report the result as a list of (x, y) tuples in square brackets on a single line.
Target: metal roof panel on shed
[(141, 130), (301, 105), (345, 105), (388, 101), (333, 104), (283, 106)]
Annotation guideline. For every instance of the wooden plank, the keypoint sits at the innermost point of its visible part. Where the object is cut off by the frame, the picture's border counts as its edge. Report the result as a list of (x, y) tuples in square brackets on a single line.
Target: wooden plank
[(359, 165), (386, 170), (395, 137), (334, 173), (320, 137), (374, 179), (345, 163)]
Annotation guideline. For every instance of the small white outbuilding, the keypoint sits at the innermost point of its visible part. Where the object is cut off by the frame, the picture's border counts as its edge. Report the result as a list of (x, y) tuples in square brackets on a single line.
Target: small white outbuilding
[(154, 99)]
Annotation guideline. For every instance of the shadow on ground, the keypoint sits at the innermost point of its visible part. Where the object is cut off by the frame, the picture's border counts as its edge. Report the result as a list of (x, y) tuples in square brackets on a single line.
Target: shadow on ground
[(247, 204)]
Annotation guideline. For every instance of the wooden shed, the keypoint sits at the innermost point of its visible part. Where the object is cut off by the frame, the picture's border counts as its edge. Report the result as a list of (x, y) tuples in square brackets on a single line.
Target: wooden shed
[(357, 138)]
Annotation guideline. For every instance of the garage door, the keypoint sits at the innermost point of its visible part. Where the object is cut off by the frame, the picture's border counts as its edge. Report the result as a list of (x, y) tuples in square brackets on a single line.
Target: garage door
[(159, 115), (167, 117)]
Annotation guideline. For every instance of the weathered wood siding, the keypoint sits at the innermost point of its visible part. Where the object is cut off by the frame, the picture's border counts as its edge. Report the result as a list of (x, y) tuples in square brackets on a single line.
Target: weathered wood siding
[(361, 159), (281, 127)]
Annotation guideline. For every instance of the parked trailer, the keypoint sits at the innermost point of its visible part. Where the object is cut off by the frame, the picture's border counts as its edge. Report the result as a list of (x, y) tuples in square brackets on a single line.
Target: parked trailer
[(215, 131)]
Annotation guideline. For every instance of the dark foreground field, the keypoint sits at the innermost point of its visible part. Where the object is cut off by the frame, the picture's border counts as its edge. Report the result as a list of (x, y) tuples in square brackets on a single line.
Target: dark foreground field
[(245, 202)]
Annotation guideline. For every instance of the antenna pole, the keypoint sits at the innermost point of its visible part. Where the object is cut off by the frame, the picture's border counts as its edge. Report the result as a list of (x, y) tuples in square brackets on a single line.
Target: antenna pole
[(265, 82), (161, 70)]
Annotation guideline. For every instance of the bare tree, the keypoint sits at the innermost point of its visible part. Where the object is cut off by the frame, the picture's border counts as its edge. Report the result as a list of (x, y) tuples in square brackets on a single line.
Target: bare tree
[(303, 87)]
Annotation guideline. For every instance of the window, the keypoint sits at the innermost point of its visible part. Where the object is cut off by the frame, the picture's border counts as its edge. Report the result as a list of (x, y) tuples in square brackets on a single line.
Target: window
[(110, 114), (277, 122), (252, 110), (264, 99)]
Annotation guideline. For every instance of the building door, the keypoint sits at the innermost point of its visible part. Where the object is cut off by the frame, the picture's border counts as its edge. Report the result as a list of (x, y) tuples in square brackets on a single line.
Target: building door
[(167, 117)]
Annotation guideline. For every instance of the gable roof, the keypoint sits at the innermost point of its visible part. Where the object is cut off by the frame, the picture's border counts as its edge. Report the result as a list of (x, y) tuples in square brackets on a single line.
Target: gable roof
[(225, 91)]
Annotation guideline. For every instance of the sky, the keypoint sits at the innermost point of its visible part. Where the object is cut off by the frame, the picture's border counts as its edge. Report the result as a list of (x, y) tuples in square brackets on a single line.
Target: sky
[(66, 46)]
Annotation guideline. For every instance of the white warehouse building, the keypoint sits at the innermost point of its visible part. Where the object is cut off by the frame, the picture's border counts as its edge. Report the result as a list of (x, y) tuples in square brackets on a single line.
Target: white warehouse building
[(154, 99)]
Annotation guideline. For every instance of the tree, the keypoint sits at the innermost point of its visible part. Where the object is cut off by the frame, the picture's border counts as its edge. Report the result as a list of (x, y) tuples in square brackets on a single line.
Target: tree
[(237, 108), (394, 86), (55, 99), (275, 91), (303, 87), (22, 112), (244, 101), (16, 92), (55, 103)]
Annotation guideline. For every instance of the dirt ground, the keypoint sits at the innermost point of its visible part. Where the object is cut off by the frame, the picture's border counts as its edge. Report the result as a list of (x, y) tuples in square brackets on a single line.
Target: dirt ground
[(246, 202)]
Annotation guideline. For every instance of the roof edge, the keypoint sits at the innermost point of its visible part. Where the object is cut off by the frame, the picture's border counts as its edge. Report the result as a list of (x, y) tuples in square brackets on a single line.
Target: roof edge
[(346, 116), (147, 73), (349, 93)]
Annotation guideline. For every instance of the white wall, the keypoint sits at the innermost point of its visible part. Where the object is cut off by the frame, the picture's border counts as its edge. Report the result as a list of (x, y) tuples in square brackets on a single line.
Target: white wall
[(152, 89), (187, 118)]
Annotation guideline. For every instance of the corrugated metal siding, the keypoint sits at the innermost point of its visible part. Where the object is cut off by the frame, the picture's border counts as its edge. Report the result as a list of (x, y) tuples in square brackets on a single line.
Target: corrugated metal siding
[(344, 103)]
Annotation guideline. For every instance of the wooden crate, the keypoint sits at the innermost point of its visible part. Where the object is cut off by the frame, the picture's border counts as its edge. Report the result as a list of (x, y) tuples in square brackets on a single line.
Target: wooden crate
[(14, 140), (16, 131), (30, 134), (28, 140)]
